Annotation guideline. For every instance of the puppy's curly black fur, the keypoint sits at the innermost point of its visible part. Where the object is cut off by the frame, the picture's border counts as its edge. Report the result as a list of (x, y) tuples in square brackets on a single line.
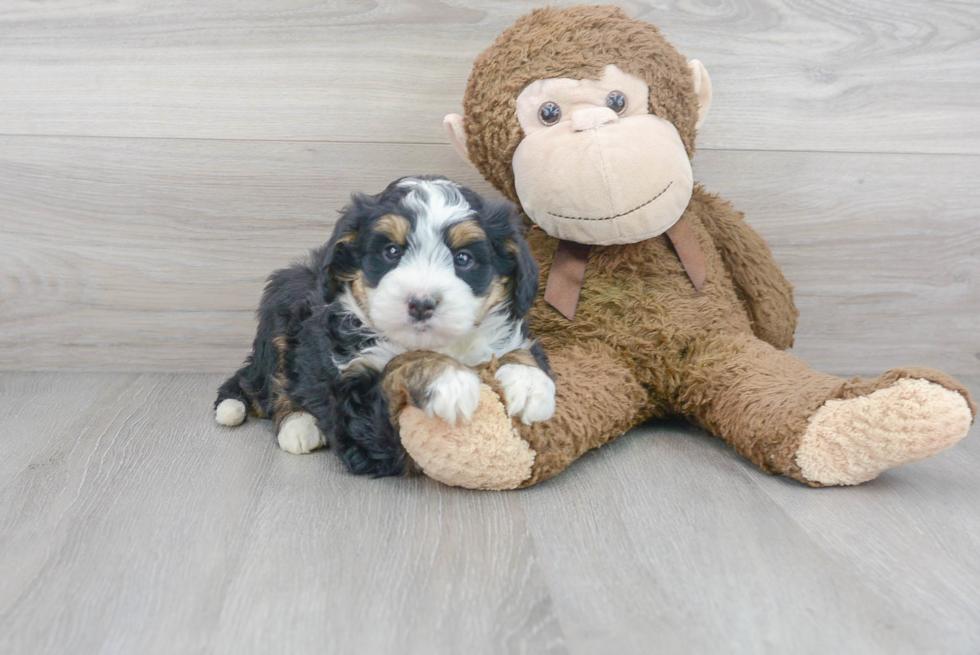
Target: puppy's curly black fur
[(318, 350)]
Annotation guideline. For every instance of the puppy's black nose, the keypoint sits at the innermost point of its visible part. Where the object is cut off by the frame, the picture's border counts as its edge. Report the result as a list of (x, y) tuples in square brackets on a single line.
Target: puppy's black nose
[(421, 308)]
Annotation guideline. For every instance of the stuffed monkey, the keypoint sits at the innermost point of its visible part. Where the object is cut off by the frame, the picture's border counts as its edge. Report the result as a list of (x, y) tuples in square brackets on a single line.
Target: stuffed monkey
[(656, 297)]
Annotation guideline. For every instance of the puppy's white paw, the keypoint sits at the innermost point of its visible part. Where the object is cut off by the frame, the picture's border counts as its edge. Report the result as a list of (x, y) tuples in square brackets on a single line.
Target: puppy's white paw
[(528, 391), (230, 412), (454, 394), (299, 434)]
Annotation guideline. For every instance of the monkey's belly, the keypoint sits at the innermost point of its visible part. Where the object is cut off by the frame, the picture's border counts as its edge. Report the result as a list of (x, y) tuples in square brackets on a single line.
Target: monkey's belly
[(638, 298)]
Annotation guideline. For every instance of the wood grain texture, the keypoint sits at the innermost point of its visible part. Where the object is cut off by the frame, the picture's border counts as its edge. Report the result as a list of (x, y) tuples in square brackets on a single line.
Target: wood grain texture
[(131, 523), (696, 559), (392, 566), (884, 252), (828, 75), (893, 522), (142, 254), (125, 534), (153, 530)]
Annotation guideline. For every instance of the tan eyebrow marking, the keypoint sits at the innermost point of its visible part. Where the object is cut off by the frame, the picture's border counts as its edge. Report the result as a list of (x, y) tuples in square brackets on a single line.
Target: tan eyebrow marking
[(465, 233), (394, 227)]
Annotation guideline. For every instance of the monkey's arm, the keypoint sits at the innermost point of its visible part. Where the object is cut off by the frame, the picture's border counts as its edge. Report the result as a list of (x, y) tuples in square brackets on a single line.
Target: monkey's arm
[(598, 399), (761, 287)]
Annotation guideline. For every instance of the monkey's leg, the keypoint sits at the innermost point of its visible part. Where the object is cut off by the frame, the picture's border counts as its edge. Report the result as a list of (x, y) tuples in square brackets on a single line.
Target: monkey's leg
[(597, 399), (816, 428)]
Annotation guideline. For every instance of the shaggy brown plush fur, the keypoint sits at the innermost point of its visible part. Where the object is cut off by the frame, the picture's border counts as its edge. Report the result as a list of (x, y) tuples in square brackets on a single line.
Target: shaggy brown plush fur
[(644, 343)]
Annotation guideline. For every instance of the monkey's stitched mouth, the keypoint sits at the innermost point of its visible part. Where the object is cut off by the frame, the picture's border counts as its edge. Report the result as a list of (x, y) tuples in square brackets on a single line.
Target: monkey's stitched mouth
[(609, 218)]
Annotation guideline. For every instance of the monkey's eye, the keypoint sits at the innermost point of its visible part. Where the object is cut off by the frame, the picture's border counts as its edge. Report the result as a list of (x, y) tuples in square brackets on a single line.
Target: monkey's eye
[(549, 113), (616, 101), (392, 253), (463, 260)]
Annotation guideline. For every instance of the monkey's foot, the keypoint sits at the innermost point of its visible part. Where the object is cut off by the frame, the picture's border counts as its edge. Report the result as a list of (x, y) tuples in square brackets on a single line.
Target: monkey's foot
[(852, 441), (487, 453)]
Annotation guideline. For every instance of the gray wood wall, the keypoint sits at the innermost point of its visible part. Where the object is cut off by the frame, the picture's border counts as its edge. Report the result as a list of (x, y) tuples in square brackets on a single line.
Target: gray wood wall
[(157, 161)]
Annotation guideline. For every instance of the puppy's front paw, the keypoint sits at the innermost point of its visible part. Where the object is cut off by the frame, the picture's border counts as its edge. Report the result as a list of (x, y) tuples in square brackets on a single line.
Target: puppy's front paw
[(528, 391), (299, 434), (455, 393)]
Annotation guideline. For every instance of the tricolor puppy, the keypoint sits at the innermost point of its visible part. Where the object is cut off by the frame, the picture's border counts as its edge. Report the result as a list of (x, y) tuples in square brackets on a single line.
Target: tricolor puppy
[(427, 269)]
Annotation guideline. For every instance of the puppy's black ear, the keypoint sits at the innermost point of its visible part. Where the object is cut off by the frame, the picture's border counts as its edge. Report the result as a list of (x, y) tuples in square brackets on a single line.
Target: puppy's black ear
[(525, 273), (507, 229), (339, 261)]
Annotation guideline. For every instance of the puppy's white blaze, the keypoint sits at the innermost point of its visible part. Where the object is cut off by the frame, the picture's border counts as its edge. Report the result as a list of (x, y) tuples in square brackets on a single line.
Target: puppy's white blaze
[(528, 391), (415, 181), (436, 204), (299, 434), (230, 412), (454, 394)]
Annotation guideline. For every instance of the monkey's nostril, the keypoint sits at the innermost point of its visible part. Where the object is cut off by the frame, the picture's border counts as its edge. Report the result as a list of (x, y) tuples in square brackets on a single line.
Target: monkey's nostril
[(421, 309)]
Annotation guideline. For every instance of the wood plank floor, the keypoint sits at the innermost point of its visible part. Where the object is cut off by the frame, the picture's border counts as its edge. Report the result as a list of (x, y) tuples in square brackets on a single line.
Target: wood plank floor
[(131, 523)]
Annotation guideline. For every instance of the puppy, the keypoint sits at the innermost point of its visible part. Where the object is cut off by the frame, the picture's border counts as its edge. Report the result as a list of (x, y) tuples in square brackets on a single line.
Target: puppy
[(426, 270)]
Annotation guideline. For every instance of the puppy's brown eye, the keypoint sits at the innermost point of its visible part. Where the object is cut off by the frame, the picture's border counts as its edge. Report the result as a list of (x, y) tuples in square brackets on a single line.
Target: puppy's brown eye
[(616, 101), (392, 253), (549, 113), (463, 260)]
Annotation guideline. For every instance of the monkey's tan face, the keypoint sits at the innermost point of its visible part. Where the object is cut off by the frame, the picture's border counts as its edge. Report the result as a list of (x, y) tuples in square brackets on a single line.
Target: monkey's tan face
[(595, 166)]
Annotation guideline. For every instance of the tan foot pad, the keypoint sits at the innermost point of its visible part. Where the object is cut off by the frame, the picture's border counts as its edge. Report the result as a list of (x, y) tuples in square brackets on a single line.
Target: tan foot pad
[(485, 454), (852, 441)]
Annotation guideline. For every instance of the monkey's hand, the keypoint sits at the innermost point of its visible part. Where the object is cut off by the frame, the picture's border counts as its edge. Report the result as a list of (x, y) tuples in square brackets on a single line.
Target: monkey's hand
[(484, 451), (760, 285)]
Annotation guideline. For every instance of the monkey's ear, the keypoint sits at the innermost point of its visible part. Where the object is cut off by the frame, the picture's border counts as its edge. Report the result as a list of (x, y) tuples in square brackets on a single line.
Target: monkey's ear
[(702, 87), (453, 124)]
